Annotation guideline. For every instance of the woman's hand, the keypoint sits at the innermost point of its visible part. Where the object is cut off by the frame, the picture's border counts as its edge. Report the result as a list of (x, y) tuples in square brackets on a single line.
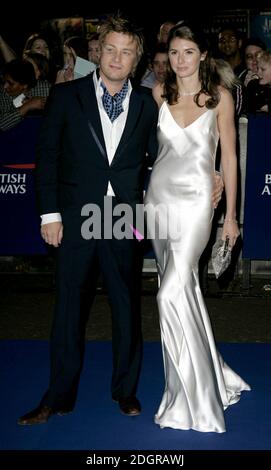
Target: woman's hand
[(64, 75), (231, 230)]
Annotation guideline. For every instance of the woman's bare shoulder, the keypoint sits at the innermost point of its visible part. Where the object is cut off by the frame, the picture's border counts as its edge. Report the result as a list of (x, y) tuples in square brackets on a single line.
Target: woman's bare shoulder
[(225, 95), (226, 103)]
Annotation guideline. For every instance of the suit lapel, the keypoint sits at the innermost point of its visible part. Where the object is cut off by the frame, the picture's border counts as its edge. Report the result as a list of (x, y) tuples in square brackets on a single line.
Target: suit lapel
[(88, 103), (87, 99), (134, 112)]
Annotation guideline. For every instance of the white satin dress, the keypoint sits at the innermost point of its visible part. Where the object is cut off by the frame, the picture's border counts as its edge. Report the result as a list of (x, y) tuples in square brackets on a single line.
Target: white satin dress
[(199, 385)]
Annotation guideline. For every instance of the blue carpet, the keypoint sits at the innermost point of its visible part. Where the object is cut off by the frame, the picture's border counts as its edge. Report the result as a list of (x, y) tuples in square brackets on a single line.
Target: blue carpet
[(96, 423)]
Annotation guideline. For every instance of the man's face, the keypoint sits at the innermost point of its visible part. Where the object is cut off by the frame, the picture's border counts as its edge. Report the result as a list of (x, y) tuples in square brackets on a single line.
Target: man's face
[(228, 43), (118, 57), (94, 51), (12, 87)]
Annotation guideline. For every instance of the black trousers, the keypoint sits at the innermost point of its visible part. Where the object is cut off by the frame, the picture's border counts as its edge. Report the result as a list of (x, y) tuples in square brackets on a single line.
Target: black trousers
[(78, 265)]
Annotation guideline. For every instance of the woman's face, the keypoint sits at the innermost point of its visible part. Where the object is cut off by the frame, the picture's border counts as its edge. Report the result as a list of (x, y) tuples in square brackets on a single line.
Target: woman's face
[(251, 57), (184, 57), (264, 72), (41, 47), (159, 66), (69, 57)]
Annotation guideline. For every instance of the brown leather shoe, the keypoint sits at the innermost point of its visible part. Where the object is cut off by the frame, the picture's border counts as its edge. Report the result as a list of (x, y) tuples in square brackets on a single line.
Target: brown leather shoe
[(129, 406), (39, 415)]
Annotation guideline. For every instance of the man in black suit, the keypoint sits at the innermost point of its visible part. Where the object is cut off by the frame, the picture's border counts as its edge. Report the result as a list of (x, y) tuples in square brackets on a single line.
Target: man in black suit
[(93, 144)]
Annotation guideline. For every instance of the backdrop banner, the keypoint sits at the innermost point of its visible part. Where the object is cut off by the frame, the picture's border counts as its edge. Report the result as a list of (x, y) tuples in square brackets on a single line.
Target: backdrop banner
[(20, 227), (257, 212), (260, 26)]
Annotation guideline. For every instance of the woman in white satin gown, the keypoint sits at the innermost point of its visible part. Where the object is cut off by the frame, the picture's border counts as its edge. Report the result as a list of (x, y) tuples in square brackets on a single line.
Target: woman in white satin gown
[(195, 112)]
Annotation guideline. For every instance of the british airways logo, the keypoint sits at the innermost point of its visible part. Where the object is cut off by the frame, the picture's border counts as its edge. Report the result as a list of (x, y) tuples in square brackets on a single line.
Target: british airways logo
[(267, 186), (12, 183)]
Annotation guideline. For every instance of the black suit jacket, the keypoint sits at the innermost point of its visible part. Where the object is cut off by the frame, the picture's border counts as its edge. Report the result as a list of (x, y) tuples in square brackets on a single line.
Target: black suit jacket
[(72, 164)]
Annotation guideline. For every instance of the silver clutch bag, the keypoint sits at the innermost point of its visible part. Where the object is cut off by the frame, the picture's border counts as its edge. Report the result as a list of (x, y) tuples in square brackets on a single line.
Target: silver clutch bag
[(221, 256)]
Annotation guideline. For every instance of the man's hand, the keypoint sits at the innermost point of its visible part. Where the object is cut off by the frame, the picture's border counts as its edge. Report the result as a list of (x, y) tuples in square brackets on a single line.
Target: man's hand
[(217, 189), (52, 233)]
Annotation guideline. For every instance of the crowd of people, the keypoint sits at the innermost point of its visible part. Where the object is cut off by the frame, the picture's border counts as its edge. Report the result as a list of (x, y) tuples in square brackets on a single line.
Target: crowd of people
[(250, 87)]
